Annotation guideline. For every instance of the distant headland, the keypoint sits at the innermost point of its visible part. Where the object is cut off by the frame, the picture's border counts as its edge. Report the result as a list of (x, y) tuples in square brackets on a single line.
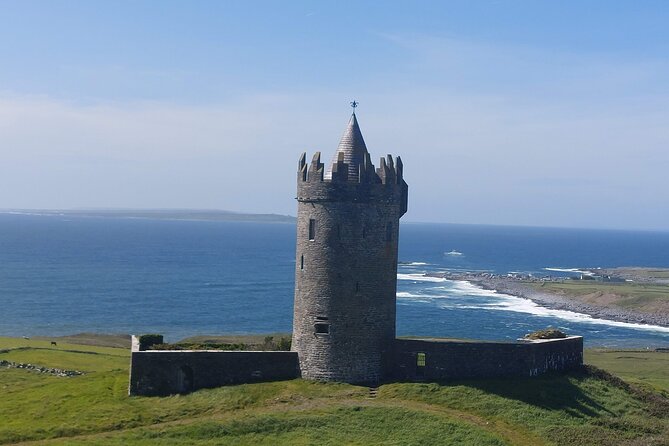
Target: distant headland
[(158, 214), (625, 294)]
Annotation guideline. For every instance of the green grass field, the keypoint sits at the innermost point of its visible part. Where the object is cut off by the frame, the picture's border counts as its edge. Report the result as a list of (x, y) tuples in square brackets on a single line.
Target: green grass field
[(93, 409), (648, 370), (651, 273), (631, 296)]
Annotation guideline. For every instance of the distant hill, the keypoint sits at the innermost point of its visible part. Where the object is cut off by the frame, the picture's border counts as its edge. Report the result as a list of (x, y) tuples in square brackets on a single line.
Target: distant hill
[(161, 214)]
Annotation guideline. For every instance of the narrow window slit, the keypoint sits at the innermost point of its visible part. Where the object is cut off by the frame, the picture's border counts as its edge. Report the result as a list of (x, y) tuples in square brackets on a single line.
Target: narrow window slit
[(312, 229)]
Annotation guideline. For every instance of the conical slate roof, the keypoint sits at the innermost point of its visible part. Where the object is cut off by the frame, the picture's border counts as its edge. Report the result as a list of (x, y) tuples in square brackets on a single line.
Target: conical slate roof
[(352, 145)]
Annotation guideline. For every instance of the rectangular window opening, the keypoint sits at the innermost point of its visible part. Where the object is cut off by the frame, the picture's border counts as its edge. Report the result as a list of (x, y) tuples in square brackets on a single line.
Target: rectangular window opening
[(312, 229), (357, 287), (420, 359), (389, 232), (321, 328), (364, 232), (321, 318), (301, 262)]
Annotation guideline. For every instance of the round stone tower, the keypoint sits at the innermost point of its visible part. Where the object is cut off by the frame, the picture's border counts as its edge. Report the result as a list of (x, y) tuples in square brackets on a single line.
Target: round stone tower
[(346, 270)]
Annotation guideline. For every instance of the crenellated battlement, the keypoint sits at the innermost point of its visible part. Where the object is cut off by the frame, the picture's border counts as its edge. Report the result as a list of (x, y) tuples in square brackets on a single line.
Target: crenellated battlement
[(312, 172), (384, 184), (389, 172)]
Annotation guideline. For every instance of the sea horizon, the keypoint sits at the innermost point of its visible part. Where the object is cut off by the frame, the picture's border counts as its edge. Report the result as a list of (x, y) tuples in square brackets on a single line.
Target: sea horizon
[(122, 211), (68, 274)]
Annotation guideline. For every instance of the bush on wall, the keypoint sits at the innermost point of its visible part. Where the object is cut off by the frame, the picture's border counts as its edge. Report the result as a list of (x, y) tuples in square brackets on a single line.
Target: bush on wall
[(546, 333), (147, 340)]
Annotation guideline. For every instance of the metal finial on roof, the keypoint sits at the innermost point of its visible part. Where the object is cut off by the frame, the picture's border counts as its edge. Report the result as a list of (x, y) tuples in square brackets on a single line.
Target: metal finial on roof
[(354, 104)]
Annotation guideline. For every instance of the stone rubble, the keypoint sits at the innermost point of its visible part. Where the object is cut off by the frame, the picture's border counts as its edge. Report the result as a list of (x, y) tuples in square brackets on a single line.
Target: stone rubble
[(40, 369)]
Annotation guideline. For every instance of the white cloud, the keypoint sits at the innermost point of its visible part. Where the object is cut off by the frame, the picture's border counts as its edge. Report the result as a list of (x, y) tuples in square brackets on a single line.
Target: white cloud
[(558, 139)]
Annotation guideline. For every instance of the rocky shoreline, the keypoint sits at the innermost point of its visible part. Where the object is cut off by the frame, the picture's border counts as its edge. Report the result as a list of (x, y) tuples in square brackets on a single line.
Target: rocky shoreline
[(515, 287)]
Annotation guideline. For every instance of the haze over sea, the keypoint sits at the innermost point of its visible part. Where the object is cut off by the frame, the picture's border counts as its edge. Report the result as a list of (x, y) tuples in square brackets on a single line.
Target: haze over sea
[(66, 274)]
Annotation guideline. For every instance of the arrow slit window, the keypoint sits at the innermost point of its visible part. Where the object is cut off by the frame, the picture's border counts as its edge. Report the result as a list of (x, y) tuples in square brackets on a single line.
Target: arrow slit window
[(312, 229)]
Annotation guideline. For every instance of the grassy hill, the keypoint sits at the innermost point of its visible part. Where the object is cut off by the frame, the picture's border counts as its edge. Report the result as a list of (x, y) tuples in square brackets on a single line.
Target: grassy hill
[(161, 214), (642, 297), (586, 408)]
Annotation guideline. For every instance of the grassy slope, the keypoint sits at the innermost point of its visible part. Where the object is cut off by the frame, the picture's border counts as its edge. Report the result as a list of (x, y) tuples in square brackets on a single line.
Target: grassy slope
[(647, 298), (94, 408), (103, 340), (638, 272), (647, 369)]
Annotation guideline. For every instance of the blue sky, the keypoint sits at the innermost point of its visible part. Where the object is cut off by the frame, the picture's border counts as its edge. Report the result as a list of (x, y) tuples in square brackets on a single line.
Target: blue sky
[(504, 112)]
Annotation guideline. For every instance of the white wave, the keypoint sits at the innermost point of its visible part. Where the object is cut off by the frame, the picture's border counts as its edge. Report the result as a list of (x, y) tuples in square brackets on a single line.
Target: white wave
[(507, 302), (408, 302), (419, 278), (462, 287), (570, 270), (403, 294), (416, 263)]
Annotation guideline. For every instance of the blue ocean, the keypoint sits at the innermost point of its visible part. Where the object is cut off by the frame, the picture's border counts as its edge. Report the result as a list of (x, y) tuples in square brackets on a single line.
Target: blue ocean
[(64, 274)]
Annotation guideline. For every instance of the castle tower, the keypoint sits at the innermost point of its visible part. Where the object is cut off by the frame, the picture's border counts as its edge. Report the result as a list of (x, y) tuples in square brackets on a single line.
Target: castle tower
[(346, 270)]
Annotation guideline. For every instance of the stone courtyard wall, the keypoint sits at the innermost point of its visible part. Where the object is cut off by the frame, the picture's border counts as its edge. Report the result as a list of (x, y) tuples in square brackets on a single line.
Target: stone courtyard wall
[(445, 360), (155, 372)]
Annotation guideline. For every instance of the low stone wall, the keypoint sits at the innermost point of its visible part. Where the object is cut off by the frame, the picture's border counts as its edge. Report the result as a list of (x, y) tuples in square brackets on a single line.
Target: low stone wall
[(155, 372), (446, 360), (165, 372)]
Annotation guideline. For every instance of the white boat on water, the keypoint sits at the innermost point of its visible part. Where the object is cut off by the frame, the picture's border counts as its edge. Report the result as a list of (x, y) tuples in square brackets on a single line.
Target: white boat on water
[(453, 253)]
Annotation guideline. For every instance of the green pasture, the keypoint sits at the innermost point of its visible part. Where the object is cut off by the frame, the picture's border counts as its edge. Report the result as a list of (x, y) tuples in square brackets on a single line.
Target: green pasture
[(583, 408), (647, 369), (631, 296)]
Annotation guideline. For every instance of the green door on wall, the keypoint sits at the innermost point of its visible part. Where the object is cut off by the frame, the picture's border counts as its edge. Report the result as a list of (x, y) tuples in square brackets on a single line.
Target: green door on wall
[(420, 364)]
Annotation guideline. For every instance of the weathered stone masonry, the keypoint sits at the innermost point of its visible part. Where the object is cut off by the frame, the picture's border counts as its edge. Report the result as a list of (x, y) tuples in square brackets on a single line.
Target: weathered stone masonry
[(345, 292), (346, 262), (446, 360), (156, 372)]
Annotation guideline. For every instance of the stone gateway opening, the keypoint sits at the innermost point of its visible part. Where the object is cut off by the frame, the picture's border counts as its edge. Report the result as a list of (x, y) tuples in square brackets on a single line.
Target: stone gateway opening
[(420, 365), (185, 379)]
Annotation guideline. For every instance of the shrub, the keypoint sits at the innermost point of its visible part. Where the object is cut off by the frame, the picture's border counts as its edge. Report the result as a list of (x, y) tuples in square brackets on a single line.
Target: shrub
[(269, 344), (283, 344), (546, 333), (147, 340), (198, 346)]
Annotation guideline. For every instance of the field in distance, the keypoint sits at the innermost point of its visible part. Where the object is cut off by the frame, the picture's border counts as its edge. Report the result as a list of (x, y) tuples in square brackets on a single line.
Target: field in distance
[(160, 214), (584, 408), (651, 298)]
